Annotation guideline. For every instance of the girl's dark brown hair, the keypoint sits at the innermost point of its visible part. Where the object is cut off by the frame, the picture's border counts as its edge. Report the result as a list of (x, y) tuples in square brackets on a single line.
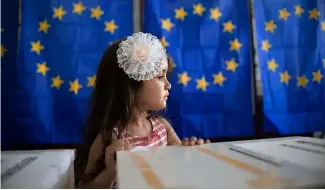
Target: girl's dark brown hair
[(111, 102)]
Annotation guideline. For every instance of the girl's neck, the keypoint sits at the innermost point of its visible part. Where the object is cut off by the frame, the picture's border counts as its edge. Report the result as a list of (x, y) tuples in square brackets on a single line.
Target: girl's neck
[(139, 125), (139, 118)]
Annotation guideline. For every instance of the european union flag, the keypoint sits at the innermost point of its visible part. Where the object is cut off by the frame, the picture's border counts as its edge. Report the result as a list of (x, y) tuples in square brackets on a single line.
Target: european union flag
[(60, 48), (9, 43), (290, 42), (210, 43)]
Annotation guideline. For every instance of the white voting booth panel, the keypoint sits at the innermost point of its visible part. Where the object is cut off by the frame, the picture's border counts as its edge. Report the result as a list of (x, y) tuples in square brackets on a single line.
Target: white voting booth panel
[(216, 165), (47, 169)]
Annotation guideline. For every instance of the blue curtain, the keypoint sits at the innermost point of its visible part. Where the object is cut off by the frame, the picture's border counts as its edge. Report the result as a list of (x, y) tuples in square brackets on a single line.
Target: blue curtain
[(61, 44), (9, 45), (209, 41), (290, 42)]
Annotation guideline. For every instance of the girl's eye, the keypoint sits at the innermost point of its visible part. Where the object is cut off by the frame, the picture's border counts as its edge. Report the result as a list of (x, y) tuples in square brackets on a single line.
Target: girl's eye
[(161, 77)]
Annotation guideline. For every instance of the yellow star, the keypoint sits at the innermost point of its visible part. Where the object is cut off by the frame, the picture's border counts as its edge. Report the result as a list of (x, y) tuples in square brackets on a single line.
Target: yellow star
[(299, 10), (266, 45), (42, 68), (218, 79), (166, 24), (317, 76), (231, 65), (173, 65), (164, 42), (180, 14), (57, 82), (285, 77), (75, 86), (91, 81), (3, 50), (96, 13), (111, 26), (202, 84), (37, 47), (284, 14), (183, 78), (44, 26), (302, 81), (270, 26), (59, 12), (228, 27), (2, 29), (272, 65), (215, 14), (235, 45), (78, 8), (198, 9), (313, 14), (323, 26)]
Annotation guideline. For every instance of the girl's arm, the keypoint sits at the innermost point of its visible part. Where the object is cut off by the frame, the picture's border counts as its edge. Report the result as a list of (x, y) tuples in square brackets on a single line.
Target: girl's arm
[(172, 138), (104, 179)]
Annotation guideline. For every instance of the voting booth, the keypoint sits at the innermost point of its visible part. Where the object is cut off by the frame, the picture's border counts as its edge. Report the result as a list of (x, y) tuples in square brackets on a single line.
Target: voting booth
[(47, 169), (295, 162)]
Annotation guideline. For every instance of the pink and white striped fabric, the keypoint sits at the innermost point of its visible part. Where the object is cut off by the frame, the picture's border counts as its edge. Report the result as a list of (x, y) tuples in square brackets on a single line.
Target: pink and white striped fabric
[(158, 136)]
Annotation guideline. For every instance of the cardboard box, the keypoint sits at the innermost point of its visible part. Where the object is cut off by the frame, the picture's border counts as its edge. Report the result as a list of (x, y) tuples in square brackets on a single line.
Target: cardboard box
[(216, 165), (46, 169)]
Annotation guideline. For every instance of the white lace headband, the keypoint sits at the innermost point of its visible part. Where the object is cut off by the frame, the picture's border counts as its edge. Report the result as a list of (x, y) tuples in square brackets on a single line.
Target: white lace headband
[(141, 56)]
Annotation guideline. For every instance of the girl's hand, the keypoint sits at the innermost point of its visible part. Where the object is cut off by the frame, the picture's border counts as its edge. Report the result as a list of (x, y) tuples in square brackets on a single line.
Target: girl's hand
[(194, 141), (110, 152)]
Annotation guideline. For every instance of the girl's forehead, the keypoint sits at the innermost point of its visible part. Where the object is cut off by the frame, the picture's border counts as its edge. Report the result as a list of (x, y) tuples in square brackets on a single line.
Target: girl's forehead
[(164, 64)]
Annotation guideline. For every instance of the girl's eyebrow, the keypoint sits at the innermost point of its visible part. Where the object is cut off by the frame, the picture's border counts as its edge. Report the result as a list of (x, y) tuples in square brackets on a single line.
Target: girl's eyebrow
[(162, 71)]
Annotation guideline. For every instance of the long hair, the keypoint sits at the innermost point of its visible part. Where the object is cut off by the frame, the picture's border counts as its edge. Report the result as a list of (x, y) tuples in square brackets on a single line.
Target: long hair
[(111, 103)]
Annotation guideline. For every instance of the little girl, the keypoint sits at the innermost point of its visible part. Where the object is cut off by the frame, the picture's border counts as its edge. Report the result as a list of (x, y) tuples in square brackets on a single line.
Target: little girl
[(131, 85)]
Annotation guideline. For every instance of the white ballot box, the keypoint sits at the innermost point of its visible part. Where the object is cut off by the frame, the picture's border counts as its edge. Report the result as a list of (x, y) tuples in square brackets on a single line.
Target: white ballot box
[(37, 169), (304, 151), (215, 165)]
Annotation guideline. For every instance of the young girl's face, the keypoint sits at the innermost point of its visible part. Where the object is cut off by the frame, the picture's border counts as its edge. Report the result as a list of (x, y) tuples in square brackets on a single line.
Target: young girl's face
[(153, 93)]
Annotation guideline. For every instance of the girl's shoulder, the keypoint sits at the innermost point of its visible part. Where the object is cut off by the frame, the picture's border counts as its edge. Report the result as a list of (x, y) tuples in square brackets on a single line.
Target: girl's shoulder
[(161, 122), (172, 138)]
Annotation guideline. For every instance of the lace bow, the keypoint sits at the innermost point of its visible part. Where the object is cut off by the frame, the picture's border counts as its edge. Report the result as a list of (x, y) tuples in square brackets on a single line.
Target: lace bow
[(141, 56)]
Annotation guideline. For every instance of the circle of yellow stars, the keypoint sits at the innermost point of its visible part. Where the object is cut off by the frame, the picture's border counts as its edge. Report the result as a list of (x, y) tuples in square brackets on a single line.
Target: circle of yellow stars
[(44, 26), (272, 64), (166, 24), (214, 14)]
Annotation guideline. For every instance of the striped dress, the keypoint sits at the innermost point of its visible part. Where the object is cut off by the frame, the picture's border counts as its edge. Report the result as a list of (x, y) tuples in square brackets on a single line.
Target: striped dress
[(158, 136)]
